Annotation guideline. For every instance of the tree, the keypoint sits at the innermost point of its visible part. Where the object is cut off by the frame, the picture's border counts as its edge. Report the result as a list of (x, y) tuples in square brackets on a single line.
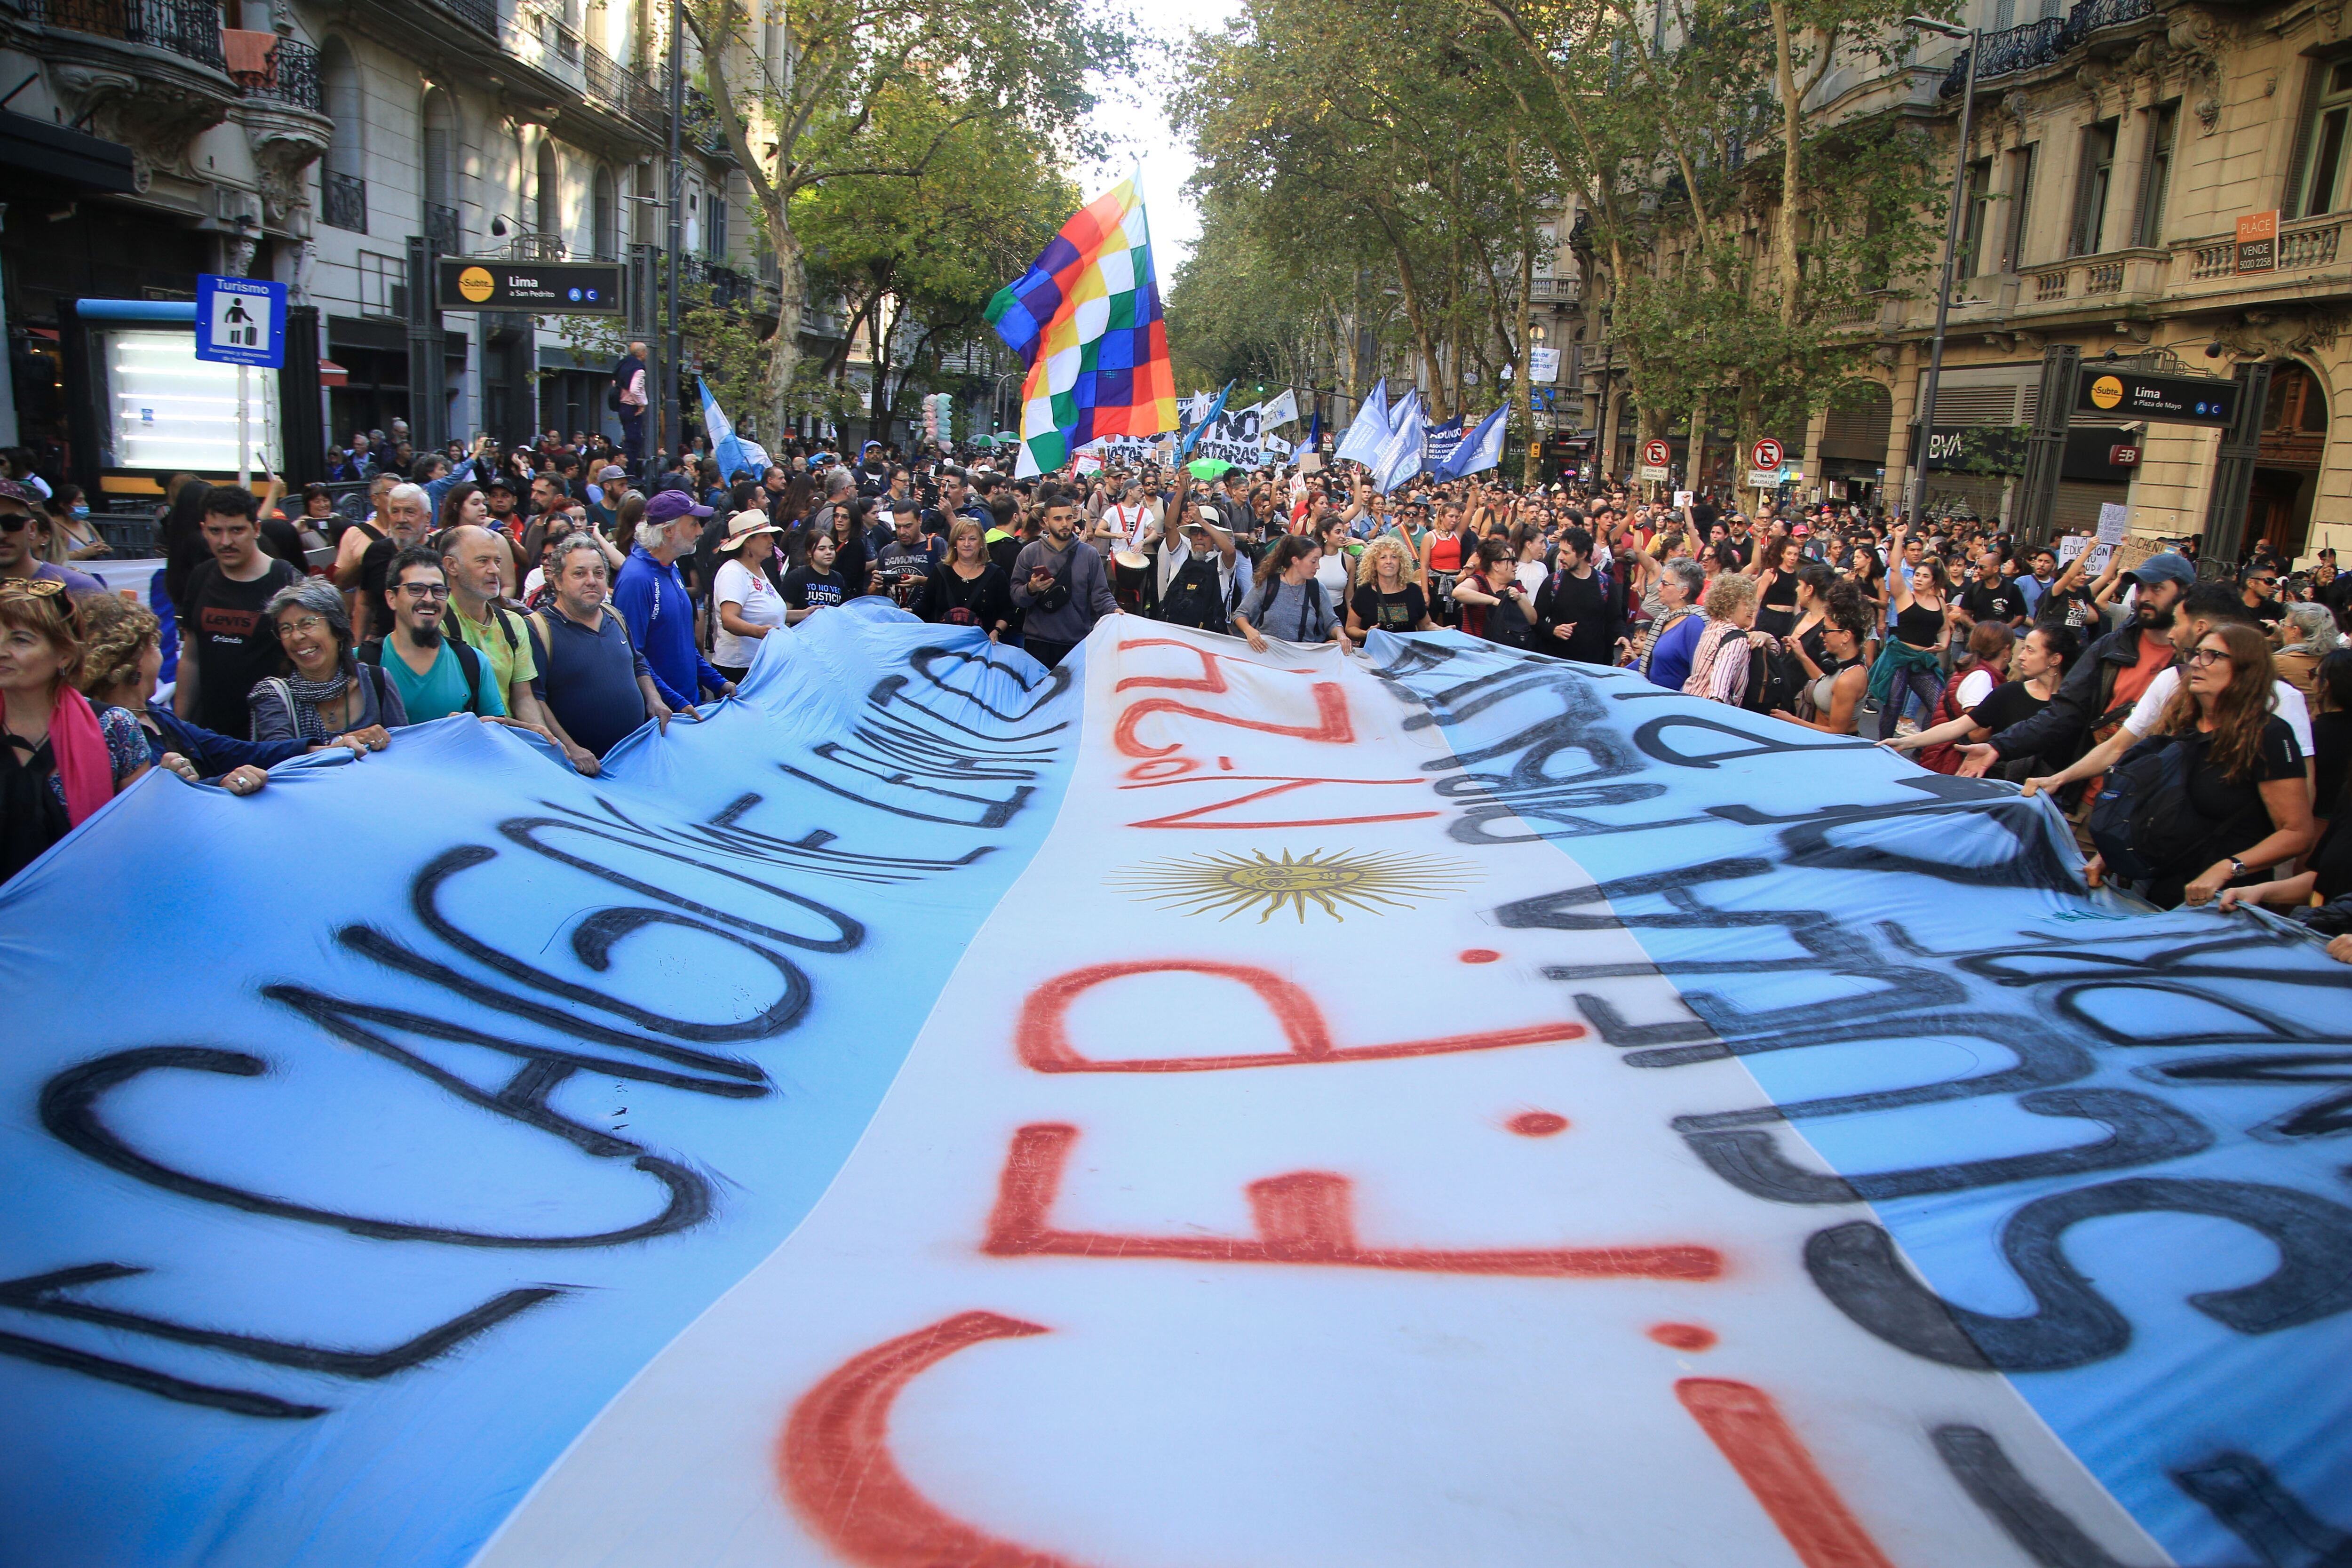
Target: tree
[(873, 91)]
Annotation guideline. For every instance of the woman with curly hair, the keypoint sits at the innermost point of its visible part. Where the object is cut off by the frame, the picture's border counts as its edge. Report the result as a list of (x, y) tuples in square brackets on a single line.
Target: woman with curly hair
[(1386, 596), (120, 660), (1719, 659), (60, 758)]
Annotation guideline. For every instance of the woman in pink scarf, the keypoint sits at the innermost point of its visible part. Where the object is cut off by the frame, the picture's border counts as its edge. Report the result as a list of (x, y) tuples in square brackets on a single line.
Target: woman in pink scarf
[(60, 759)]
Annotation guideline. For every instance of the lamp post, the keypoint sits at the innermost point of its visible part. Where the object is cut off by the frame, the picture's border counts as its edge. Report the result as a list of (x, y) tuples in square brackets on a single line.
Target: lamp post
[(1917, 497)]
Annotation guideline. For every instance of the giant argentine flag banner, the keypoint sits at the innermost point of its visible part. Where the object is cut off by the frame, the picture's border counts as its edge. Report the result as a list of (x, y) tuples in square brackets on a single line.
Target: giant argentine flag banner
[(1193, 1107)]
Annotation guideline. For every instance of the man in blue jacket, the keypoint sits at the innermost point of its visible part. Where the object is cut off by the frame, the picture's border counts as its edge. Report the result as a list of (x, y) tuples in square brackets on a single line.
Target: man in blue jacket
[(654, 604)]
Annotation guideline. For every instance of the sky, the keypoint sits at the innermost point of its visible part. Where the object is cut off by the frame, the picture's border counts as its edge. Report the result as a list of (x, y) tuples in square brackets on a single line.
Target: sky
[(1128, 115)]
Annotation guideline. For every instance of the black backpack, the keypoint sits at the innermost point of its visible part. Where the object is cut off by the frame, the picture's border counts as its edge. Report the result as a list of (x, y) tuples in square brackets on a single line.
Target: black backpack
[(1194, 597), (1774, 679), (2143, 822)]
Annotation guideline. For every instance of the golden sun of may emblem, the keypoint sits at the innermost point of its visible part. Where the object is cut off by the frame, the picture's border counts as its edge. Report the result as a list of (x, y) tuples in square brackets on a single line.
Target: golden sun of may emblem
[(1236, 884)]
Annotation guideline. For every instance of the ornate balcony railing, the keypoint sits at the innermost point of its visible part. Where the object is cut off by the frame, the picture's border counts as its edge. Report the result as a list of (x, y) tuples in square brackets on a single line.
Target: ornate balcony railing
[(481, 14), (617, 88), (2038, 43), (2104, 278), (294, 78), (539, 248), (189, 28), (343, 201), (444, 229)]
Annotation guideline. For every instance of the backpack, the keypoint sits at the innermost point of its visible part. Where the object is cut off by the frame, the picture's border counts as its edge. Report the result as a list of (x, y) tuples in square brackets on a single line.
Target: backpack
[(469, 664), (1311, 610), (2143, 822), (1193, 597), (1774, 678), (613, 397)]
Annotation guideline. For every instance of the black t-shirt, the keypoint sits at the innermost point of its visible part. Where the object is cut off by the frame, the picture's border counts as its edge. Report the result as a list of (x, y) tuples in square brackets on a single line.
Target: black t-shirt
[(2221, 799), (2332, 859), (808, 590), (1390, 612), (903, 569), (1742, 550), (2331, 752), (2067, 607), (2008, 703), (234, 647), (375, 565), (2001, 602)]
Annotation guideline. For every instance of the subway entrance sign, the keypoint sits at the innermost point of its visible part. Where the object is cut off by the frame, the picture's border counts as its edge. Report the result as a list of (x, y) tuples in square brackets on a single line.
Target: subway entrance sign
[(541, 288), (2137, 394)]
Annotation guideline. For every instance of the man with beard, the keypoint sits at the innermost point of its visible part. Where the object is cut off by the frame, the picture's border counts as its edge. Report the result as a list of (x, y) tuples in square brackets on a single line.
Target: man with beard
[(2106, 683), (435, 675)]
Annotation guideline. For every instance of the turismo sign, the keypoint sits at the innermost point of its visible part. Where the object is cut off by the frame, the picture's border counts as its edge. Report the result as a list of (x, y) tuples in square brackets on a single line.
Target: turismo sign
[(545, 288), (2132, 394)]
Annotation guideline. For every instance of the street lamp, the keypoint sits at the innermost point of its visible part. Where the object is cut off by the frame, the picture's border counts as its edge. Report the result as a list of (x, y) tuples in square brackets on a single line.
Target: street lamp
[(1918, 496)]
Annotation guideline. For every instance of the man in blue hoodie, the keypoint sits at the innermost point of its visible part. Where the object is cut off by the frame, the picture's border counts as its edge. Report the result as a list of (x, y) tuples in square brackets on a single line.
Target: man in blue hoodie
[(654, 603)]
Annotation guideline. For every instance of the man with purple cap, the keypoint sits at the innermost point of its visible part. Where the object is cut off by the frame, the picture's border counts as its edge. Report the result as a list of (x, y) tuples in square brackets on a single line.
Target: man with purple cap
[(654, 606)]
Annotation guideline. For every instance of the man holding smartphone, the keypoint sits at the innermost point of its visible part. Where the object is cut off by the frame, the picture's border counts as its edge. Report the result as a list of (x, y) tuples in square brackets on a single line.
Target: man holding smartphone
[(1059, 584)]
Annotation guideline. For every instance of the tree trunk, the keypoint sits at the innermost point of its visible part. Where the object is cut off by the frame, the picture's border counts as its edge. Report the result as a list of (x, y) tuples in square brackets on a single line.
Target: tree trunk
[(1694, 450), (1522, 349), (1784, 64)]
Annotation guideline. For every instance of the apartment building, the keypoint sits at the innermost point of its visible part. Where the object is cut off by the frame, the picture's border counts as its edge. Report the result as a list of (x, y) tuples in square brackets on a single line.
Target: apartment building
[(152, 140), (2164, 186)]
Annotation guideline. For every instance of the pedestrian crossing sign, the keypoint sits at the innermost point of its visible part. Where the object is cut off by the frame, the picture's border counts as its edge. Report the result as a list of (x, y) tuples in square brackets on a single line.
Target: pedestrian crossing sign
[(240, 321)]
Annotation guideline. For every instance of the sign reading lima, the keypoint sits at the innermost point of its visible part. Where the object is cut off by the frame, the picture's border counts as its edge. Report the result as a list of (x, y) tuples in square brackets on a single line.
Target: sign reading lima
[(2174, 399), (548, 289)]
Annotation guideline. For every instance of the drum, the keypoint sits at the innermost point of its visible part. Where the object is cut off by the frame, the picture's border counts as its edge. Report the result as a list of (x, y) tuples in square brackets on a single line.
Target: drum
[(1130, 580)]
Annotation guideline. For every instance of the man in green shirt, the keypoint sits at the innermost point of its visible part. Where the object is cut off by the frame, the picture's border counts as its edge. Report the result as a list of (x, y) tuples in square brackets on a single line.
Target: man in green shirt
[(433, 676)]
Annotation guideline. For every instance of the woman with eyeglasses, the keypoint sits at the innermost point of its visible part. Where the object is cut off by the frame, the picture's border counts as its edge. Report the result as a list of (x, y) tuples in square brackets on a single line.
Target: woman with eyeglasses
[(120, 662), (2249, 803), (325, 696)]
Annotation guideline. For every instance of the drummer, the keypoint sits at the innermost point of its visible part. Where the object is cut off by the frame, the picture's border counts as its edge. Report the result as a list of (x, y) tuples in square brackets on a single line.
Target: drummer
[(1130, 524)]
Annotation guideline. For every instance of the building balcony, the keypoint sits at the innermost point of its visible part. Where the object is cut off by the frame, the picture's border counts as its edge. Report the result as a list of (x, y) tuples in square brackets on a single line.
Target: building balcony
[(480, 15), (2015, 49), (621, 90), (539, 38), (189, 28), (292, 79), (1557, 290)]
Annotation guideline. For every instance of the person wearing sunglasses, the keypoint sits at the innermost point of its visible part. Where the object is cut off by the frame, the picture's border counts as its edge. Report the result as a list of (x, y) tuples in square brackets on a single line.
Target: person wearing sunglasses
[(434, 675), (22, 534)]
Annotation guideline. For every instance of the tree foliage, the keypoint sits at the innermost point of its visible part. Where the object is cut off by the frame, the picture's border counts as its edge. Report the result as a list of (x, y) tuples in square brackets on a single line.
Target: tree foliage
[(836, 108)]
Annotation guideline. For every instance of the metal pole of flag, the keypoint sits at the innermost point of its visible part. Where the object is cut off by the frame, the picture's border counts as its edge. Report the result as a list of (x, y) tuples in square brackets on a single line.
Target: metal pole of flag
[(673, 434), (1916, 498), (244, 435)]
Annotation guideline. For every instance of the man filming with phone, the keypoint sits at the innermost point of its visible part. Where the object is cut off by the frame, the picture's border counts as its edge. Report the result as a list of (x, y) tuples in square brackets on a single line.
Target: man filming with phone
[(1059, 584)]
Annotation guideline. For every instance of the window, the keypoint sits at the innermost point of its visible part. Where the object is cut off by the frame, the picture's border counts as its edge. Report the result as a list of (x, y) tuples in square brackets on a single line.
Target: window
[(441, 223), (384, 285), (2091, 189), (606, 217), (715, 231), (1972, 221), (2049, 11), (2020, 201), (2156, 174), (548, 203), (2316, 182), (2004, 15), (343, 182)]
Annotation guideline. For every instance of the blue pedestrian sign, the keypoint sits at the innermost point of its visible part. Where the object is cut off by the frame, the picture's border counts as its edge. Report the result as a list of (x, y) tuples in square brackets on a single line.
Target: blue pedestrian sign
[(240, 321)]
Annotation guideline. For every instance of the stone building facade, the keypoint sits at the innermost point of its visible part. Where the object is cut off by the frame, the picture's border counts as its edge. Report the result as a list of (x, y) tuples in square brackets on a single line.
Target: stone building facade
[(2115, 149)]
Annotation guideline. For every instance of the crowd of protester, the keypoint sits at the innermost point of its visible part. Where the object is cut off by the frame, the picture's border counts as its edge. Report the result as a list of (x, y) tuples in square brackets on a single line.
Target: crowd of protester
[(2192, 727)]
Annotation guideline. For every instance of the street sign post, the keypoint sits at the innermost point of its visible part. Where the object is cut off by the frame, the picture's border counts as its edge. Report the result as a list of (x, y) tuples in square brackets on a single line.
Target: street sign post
[(241, 321), (535, 288)]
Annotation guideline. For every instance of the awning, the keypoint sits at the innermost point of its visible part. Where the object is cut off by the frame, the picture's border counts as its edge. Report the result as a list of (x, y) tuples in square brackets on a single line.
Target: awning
[(332, 375), (34, 147)]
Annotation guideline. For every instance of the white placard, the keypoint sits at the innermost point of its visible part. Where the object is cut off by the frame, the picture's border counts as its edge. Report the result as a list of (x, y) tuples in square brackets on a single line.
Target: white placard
[(2113, 517), (1682, 497), (1651, 472)]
